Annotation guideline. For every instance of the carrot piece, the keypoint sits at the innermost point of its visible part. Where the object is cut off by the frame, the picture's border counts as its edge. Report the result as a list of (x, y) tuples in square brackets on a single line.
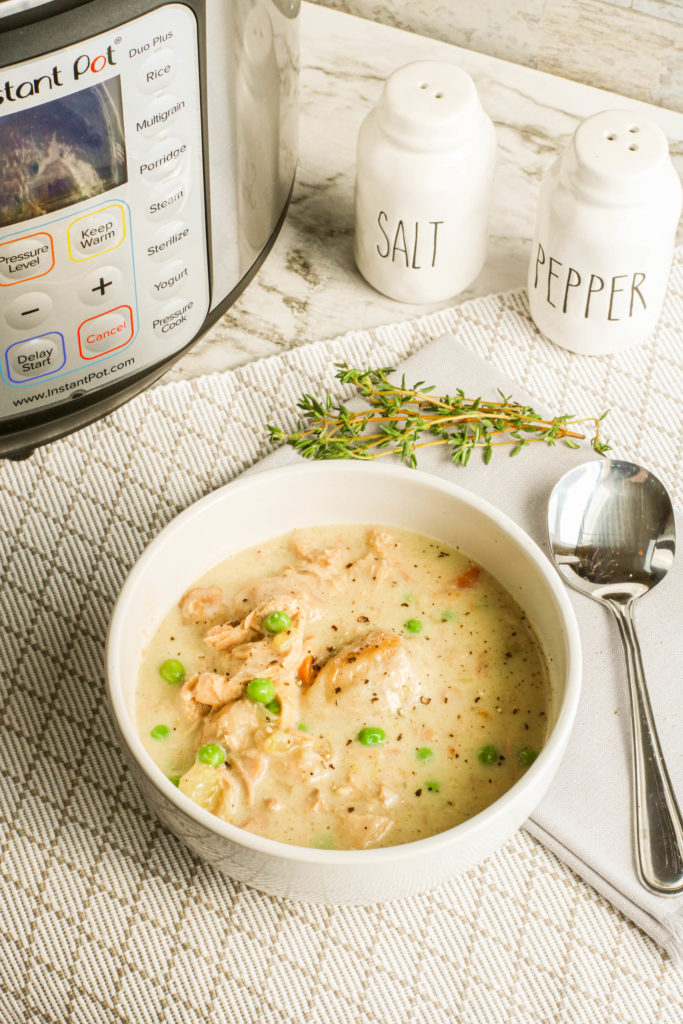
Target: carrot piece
[(305, 672), (468, 578)]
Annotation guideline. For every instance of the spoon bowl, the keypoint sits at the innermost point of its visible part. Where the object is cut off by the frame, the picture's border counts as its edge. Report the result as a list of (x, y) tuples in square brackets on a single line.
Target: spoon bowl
[(612, 537)]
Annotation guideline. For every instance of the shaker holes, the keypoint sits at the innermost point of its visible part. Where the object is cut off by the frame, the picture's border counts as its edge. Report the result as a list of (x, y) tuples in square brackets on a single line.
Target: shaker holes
[(611, 138), (633, 148), (438, 95), (634, 128), (424, 85)]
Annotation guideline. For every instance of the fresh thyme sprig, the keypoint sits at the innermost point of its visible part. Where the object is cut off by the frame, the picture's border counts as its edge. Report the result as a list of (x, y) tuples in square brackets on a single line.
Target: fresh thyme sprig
[(401, 420)]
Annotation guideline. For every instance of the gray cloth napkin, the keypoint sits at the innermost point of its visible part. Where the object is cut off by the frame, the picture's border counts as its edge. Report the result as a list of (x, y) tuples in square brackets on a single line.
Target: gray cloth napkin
[(586, 818)]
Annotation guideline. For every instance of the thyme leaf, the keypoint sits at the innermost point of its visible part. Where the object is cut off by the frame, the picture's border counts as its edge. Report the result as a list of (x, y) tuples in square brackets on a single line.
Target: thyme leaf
[(400, 420)]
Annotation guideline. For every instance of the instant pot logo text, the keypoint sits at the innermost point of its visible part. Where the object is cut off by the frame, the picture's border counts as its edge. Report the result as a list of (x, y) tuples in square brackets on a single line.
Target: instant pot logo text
[(84, 64)]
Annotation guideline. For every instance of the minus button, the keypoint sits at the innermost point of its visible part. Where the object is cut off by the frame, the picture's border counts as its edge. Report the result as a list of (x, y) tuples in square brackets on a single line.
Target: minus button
[(29, 310)]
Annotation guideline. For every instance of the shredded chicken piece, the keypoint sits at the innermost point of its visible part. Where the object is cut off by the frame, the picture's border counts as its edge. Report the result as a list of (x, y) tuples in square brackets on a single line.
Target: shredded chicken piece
[(251, 766), (387, 797), (228, 635), (214, 689), (374, 672), (229, 797), (234, 725), (191, 706), (317, 803), (363, 830), (201, 604)]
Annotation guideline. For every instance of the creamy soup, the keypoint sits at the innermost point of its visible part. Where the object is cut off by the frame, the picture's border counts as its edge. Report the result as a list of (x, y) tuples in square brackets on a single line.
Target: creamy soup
[(344, 687)]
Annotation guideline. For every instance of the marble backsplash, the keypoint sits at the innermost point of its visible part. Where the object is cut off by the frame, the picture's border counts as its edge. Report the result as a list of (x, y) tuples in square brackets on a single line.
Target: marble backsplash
[(633, 47)]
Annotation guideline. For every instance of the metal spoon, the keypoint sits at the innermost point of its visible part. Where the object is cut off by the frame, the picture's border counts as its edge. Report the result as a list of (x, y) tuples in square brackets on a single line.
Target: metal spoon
[(612, 536)]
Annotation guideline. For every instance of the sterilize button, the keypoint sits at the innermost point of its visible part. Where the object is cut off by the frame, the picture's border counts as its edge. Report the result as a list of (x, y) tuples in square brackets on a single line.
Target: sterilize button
[(35, 357), (162, 159), (168, 241), (28, 310), (159, 115), (101, 334), (94, 233), (171, 320), (100, 286), (167, 199), (24, 258), (172, 277), (158, 71)]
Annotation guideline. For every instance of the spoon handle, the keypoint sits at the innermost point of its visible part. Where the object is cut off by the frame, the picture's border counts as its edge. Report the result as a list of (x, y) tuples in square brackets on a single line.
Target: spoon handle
[(658, 822)]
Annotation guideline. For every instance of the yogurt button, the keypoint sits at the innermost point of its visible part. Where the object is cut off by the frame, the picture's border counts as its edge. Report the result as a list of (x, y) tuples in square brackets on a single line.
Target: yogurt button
[(172, 320), (172, 277), (158, 71), (167, 199), (28, 310), (162, 159), (159, 115), (168, 241)]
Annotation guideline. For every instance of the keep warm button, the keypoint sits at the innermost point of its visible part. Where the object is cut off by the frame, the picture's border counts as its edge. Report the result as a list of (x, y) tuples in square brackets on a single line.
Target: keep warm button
[(102, 334), (96, 232)]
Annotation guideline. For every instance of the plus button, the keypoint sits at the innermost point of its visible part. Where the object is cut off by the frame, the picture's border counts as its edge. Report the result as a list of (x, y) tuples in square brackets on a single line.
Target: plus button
[(101, 287)]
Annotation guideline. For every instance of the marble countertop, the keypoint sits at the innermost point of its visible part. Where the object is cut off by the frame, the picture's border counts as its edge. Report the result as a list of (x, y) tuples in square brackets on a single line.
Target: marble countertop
[(309, 288)]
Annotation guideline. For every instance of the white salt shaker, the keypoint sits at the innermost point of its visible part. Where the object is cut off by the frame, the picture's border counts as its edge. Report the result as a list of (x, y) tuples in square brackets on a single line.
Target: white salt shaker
[(425, 165), (605, 230)]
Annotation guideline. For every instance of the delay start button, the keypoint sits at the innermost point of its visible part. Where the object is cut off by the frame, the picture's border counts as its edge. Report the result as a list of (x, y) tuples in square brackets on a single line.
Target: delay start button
[(99, 335), (35, 358), (173, 316)]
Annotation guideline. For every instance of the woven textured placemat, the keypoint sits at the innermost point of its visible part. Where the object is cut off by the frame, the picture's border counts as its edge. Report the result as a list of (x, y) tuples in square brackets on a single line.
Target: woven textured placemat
[(104, 916)]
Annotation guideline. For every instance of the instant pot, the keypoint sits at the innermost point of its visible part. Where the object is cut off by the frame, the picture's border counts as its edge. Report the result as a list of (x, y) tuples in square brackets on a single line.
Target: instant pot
[(147, 156)]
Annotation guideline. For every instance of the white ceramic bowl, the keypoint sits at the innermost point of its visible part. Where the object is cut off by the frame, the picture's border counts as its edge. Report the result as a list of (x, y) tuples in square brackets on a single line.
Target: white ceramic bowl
[(270, 503)]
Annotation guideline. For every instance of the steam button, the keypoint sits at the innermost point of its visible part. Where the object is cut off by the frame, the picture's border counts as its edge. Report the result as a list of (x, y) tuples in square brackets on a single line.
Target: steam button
[(166, 199), (158, 71)]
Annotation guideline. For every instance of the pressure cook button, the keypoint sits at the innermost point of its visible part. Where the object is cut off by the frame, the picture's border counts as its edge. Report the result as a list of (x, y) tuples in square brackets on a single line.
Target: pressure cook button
[(168, 241), (95, 233), (158, 71), (167, 199), (35, 357), (24, 258), (162, 159), (28, 310), (172, 277), (99, 335), (172, 318), (100, 287), (159, 115)]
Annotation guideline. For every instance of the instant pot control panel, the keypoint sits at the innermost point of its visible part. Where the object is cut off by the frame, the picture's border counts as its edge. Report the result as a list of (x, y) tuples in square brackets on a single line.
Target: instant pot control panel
[(103, 253)]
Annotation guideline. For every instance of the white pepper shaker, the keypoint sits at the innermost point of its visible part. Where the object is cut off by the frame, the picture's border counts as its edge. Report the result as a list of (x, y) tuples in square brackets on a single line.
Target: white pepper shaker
[(425, 164), (605, 230)]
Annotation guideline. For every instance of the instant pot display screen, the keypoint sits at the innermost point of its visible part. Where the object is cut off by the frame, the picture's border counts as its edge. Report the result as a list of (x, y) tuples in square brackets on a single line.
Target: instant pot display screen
[(61, 152)]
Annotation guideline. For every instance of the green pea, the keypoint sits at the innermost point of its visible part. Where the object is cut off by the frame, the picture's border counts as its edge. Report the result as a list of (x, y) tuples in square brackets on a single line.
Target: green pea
[(159, 732), (372, 736), (413, 626), (261, 691), (424, 753), (211, 754), (172, 671), (432, 785), (274, 707), (527, 756), (323, 843), (175, 779), (276, 622), (302, 727), (488, 754)]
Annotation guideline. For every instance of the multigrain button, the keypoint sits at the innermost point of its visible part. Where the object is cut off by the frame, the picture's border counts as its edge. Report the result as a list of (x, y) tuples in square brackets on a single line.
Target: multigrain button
[(166, 200), (101, 334), (24, 258), (161, 113), (162, 159), (173, 317), (28, 310), (170, 279), (101, 287), (95, 233), (158, 71), (168, 241), (35, 357)]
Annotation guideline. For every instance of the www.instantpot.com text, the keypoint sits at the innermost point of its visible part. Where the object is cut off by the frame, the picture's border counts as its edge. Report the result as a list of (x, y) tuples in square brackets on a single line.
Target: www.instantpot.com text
[(70, 385)]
